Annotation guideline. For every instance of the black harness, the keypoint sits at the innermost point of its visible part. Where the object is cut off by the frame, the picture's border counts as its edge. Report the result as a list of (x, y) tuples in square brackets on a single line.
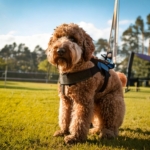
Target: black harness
[(75, 77)]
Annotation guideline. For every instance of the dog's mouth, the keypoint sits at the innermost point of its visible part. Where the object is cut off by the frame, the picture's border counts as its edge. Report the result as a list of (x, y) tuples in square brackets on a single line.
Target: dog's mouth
[(63, 62)]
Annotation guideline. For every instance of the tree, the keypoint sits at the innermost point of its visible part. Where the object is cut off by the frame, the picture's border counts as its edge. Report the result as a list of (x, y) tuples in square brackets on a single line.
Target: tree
[(101, 45), (135, 36), (43, 66), (141, 30), (38, 55), (47, 67), (130, 39), (20, 58), (140, 68), (148, 21), (2, 64), (8, 53)]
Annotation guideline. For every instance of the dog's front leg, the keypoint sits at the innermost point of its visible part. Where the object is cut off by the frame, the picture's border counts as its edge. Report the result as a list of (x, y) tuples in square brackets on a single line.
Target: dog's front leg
[(64, 116), (81, 119)]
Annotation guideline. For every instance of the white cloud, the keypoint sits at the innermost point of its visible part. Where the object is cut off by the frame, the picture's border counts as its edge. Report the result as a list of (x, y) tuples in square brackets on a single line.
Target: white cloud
[(42, 39), (94, 32), (104, 33), (29, 41)]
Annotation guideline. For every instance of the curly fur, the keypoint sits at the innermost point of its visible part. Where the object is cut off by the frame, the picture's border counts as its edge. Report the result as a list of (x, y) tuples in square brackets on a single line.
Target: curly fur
[(122, 78), (82, 103)]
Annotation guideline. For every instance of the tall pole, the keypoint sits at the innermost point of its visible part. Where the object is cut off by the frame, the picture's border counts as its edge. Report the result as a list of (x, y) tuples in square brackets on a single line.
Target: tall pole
[(113, 40), (130, 62)]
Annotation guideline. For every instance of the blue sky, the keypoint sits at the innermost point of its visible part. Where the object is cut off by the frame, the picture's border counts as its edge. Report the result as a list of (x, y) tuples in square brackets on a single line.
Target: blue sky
[(32, 21)]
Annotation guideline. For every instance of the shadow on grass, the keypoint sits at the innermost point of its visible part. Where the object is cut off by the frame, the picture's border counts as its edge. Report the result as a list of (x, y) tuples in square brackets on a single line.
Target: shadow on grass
[(138, 130), (124, 141), (25, 88)]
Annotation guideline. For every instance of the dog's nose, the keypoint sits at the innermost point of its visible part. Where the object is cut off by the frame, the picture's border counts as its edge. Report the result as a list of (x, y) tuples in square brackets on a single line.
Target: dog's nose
[(61, 51)]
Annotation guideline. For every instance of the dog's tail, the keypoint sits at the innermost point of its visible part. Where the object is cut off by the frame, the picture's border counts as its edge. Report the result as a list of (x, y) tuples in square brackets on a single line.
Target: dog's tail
[(123, 78)]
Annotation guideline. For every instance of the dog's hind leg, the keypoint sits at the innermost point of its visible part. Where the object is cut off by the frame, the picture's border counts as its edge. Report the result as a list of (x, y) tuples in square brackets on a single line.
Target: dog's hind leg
[(64, 117), (110, 113)]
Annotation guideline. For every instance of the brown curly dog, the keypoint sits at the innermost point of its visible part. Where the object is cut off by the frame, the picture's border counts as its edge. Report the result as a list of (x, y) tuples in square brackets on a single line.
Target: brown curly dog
[(70, 49)]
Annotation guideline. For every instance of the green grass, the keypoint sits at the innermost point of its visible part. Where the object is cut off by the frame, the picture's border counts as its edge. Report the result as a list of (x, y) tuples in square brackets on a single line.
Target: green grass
[(29, 117)]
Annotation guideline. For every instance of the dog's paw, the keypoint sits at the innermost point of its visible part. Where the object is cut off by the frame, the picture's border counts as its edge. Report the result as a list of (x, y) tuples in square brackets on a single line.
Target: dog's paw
[(94, 131), (71, 139), (60, 133), (107, 134)]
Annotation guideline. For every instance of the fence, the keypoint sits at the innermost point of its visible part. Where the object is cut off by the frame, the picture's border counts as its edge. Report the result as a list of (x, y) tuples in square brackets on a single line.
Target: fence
[(140, 82), (29, 76), (53, 78)]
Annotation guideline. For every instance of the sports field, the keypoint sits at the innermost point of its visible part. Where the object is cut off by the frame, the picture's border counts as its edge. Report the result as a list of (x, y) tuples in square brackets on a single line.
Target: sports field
[(29, 117)]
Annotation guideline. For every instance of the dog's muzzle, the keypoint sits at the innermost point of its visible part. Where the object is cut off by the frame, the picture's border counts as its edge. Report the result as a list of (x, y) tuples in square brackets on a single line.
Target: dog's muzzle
[(61, 51)]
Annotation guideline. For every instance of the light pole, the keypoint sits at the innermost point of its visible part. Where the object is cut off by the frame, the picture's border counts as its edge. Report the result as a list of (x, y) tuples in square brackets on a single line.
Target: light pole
[(113, 40)]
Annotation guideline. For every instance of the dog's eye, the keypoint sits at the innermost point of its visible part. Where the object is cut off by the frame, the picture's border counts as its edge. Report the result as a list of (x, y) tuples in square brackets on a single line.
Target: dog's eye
[(72, 39)]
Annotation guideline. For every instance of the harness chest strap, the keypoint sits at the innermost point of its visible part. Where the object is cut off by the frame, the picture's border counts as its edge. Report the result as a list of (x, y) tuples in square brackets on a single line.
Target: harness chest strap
[(73, 78)]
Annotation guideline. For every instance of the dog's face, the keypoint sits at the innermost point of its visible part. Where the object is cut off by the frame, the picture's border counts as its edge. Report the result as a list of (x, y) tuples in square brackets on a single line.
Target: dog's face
[(68, 45)]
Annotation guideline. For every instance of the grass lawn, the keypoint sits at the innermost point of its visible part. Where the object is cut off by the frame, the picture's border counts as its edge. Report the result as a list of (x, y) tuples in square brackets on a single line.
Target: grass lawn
[(29, 117)]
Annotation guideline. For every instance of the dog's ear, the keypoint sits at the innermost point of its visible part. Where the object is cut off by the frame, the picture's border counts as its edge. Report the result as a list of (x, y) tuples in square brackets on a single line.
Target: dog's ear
[(88, 47), (51, 40)]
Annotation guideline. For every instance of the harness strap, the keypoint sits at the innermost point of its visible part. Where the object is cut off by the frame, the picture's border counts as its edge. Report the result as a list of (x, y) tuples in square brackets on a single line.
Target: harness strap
[(106, 75), (62, 88), (103, 71), (73, 78)]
